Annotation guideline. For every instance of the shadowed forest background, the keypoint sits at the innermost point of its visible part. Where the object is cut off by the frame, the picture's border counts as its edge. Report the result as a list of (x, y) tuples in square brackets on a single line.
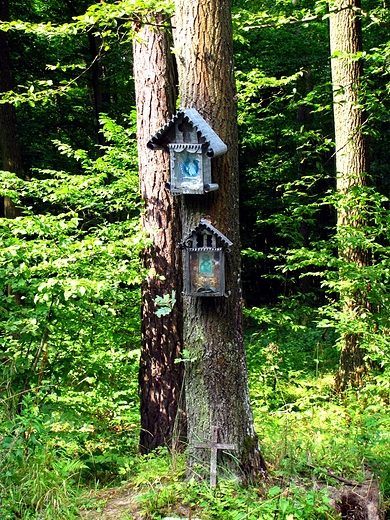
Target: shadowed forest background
[(72, 263)]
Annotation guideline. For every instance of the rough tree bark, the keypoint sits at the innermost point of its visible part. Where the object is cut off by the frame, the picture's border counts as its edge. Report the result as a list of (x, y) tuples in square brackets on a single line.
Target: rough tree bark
[(160, 379), (216, 382), (10, 151), (351, 165)]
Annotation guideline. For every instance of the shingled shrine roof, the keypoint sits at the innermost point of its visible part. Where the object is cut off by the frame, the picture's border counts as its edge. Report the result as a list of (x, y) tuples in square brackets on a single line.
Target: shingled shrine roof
[(212, 144)]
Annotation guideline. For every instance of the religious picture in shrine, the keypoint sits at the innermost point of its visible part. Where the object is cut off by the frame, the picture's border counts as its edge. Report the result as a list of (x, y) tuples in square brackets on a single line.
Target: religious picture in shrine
[(205, 271), (205, 249), (187, 169)]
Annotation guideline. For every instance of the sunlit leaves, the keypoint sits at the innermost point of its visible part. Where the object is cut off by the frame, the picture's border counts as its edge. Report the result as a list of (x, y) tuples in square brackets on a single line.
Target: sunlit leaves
[(97, 15), (71, 276), (165, 304), (113, 24), (277, 15)]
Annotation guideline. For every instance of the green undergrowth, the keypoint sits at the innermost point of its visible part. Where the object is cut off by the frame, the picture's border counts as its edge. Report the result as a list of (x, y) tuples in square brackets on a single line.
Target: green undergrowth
[(172, 496), (306, 429), (59, 457), (63, 442)]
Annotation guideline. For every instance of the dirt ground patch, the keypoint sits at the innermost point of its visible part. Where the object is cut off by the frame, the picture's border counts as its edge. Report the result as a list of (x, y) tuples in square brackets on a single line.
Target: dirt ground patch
[(123, 504), (114, 504)]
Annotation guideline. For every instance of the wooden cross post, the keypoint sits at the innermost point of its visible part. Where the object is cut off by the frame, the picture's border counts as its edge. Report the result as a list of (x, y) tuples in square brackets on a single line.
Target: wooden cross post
[(214, 446)]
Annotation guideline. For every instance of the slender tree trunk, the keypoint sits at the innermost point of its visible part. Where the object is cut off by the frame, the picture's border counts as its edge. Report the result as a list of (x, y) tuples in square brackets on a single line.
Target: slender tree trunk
[(216, 382), (160, 378), (101, 98), (10, 151), (351, 166), (304, 119)]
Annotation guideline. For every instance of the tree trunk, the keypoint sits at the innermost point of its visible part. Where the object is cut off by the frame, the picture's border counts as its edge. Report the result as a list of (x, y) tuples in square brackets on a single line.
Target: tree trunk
[(216, 378), (351, 166), (160, 378), (10, 151), (101, 99), (304, 119)]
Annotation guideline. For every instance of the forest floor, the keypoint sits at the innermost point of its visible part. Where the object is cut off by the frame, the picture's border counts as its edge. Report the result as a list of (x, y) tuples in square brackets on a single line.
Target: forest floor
[(349, 500)]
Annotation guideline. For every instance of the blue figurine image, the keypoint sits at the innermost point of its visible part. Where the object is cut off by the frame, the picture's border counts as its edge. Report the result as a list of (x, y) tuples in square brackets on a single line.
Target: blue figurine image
[(190, 169), (205, 265)]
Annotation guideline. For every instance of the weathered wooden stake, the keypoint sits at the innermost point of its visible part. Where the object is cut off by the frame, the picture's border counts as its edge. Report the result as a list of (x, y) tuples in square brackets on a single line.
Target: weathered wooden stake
[(214, 446)]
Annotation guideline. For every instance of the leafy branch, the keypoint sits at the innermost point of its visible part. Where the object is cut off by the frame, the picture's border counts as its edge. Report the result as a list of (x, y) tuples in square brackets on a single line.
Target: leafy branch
[(165, 304)]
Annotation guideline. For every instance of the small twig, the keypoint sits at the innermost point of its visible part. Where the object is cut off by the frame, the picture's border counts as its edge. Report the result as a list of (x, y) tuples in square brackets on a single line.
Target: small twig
[(330, 473), (342, 479), (42, 344)]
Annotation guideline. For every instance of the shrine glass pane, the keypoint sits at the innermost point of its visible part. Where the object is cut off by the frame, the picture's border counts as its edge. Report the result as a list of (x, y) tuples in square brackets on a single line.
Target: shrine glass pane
[(188, 170), (205, 272)]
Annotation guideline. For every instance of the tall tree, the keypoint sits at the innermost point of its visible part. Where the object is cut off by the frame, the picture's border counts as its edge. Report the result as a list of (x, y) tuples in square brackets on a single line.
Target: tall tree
[(351, 168), (11, 156), (160, 378), (216, 378)]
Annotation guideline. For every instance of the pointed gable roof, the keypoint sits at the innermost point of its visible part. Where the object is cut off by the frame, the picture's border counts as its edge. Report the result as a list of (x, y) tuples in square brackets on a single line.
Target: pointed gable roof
[(204, 223), (212, 143)]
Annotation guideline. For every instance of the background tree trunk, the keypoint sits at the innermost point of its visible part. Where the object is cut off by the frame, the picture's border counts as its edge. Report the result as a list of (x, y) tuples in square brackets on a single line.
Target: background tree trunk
[(216, 382), (160, 379), (351, 164), (11, 157), (101, 98)]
